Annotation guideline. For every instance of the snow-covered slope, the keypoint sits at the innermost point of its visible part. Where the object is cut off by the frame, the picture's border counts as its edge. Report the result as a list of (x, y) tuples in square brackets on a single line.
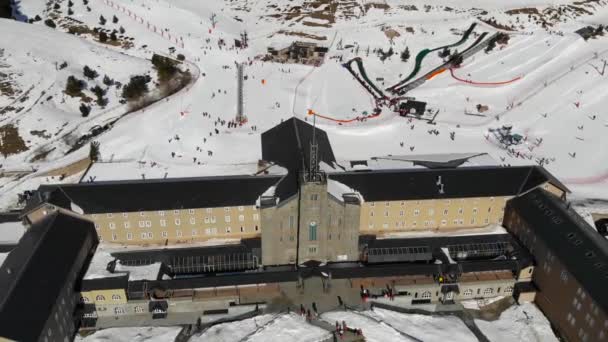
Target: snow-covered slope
[(556, 103), (47, 120)]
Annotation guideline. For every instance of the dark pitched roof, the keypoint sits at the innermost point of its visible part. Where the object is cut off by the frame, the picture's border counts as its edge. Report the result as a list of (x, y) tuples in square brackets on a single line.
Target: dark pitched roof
[(161, 194), (288, 144), (39, 268), (576, 244), (419, 183)]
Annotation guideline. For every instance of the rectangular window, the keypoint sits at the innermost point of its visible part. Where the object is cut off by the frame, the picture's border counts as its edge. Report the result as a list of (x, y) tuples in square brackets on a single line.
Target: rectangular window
[(460, 211), (371, 225), (401, 213), (150, 235), (178, 233), (209, 210), (228, 230), (191, 211), (112, 225), (256, 217), (386, 214), (176, 212), (226, 218), (194, 232), (291, 221), (385, 225), (445, 212), (141, 224), (125, 215), (372, 204), (148, 224), (206, 219), (312, 250), (113, 237), (129, 236), (314, 197), (241, 208), (388, 204), (177, 222), (109, 215), (208, 231), (144, 236), (212, 219), (142, 214), (474, 211), (161, 213), (192, 220), (226, 209), (163, 223), (431, 212), (127, 225), (164, 234), (371, 214), (416, 212), (241, 218)]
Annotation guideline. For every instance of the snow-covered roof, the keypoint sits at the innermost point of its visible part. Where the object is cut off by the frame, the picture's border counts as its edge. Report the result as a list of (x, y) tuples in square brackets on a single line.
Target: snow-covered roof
[(11, 232), (420, 161), (149, 170)]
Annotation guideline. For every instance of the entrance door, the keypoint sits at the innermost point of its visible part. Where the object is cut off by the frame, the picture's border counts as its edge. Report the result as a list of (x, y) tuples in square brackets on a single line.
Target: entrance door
[(449, 296)]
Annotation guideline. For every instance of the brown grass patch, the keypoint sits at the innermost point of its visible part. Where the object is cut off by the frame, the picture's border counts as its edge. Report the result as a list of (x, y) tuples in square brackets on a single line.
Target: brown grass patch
[(10, 141)]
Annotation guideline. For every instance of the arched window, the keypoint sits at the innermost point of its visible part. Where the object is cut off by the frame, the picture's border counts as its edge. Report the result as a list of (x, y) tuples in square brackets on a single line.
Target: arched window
[(100, 297), (119, 310), (488, 291), (115, 297), (312, 231), (84, 299), (426, 294), (468, 292)]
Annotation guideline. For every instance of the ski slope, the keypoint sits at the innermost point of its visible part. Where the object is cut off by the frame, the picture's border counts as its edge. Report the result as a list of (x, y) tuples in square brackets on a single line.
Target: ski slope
[(557, 98)]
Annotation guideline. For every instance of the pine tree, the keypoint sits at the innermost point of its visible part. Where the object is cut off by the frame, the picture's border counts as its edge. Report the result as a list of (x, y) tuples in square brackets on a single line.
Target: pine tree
[(114, 19), (50, 23), (85, 110), (70, 3), (108, 81), (70, 12), (89, 73), (405, 55), (102, 20), (94, 153), (103, 37), (113, 36), (74, 86), (121, 30)]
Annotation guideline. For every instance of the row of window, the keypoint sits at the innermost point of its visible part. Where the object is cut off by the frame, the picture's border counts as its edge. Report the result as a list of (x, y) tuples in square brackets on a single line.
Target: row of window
[(388, 204), (487, 291), (179, 233), (99, 298), (431, 223), (163, 222), (431, 212), (175, 212)]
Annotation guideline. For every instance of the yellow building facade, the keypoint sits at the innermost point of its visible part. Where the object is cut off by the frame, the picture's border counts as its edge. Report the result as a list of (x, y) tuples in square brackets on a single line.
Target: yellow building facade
[(179, 225), (431, 214)]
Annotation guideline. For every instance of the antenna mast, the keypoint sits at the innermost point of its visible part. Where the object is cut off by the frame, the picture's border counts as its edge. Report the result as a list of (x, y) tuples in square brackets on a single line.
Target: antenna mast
[(314, 174)]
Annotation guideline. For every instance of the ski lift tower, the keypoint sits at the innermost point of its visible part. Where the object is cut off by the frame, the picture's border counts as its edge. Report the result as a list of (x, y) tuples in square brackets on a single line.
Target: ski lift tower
[(240, 117)]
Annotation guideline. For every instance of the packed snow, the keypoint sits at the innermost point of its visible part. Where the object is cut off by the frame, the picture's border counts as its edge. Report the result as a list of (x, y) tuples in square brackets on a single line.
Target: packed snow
[(425, 327), (132, 334), (11, 232), (234, 331), (519, 323)]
